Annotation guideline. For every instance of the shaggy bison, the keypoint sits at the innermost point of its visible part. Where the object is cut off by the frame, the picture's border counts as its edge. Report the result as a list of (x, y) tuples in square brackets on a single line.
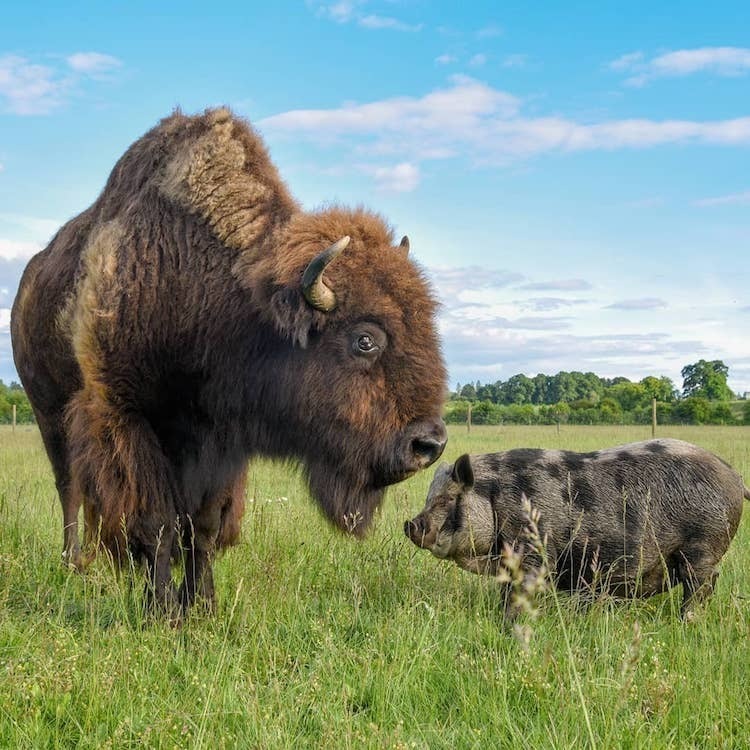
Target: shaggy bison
[(194, 317), (630, 520)]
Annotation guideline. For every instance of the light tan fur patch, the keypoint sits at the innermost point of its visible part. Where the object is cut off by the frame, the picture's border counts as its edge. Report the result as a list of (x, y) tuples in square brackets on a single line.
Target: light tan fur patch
[(92, 310), (209, 176)]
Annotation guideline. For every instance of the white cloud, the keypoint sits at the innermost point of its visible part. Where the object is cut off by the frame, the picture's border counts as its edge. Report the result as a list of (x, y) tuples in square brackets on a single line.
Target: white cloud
[(453, 281), (471, 119), (386, 22), (31, 227), (93, 62), (15, 250), (399, 178), (446, 59), (723, 61), (490, 31), (490, 353), (494, 332), (341, 12), (644, 303), (476, 61), (352, 11), (4, 319), (29, 88), (558, 285), (548, 304), (733, 199), (627, 62), (515, 61)]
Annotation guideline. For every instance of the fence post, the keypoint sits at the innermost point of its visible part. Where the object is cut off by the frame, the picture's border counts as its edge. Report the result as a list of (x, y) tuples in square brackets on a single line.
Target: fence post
[(14, 418), (468, 418), (653, 417)]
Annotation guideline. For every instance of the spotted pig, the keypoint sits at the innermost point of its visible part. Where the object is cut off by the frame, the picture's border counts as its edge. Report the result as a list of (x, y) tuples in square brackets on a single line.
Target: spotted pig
[(632, 520)]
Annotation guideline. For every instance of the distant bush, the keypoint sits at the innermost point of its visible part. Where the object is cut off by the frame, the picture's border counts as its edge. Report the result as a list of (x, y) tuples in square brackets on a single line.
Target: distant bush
[(693, 410), (10, 395)]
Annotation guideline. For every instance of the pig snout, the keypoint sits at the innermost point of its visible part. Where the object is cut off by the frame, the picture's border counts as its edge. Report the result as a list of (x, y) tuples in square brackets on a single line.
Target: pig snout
[(419, 532)]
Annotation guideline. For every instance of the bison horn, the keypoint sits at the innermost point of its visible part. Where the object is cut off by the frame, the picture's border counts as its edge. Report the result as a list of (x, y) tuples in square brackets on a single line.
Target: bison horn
[(316, 292), (405, 244)]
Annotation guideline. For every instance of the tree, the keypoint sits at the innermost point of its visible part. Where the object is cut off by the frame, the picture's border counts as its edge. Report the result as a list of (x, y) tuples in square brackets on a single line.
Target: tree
[(610, 410), (662, 389), (721, 413), (706, 380), (486, 393), (562, 387), (628, 395), (469, 392), (541, 389), (693, 410), (518, 389)]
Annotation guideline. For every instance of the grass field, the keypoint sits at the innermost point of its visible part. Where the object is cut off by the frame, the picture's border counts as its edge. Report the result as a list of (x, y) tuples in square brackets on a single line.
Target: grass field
[(321, 641)]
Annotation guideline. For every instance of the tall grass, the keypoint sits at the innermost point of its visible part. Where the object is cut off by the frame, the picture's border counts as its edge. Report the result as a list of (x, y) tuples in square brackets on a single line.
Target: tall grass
[(321, 641)]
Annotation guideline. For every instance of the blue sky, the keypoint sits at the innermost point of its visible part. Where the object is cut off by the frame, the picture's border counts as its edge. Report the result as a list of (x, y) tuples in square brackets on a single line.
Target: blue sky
[(575, 177)]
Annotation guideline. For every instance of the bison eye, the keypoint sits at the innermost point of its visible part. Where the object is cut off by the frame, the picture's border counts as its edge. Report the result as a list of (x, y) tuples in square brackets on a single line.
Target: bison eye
[(366, 343)]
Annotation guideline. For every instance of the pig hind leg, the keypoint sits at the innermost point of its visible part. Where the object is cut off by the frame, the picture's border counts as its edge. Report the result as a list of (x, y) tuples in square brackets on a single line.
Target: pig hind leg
[(696, 570)]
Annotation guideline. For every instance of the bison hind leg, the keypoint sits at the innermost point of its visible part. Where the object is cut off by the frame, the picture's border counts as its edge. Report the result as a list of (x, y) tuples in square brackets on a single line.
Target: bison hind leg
[(697, 572), (119, 467), (51, 427)]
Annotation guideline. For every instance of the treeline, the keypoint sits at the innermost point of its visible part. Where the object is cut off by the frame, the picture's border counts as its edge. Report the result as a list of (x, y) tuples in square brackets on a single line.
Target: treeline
[(586, 398), (572, 397), (11, 395)]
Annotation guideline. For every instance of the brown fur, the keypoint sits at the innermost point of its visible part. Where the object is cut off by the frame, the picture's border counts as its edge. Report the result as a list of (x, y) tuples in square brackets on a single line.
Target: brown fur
[(163, 340)]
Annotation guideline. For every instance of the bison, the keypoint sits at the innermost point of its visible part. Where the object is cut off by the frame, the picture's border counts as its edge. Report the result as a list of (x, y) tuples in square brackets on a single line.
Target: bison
[(194, 317), (631, 520)]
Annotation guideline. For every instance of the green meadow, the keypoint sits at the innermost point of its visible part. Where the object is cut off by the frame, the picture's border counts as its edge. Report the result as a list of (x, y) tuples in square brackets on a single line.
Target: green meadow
[(323, 641)]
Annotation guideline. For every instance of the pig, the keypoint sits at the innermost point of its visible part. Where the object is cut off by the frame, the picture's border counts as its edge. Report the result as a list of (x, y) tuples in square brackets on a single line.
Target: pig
[(631, 521)]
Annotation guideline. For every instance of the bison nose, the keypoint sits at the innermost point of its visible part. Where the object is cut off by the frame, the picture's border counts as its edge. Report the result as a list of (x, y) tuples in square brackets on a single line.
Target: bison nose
[(428, 444), (426, 450)]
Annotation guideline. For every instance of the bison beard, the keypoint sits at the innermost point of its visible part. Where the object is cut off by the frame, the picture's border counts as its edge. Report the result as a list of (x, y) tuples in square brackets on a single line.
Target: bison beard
[(193, 318)]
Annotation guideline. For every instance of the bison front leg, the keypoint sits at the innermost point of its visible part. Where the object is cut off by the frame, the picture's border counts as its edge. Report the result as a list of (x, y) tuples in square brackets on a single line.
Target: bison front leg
[(161, 595), (198, 581), (215, 526)]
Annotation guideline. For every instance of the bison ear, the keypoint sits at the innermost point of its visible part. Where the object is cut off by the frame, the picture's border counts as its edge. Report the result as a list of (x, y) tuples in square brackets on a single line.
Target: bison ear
[(462, 473), (293, 317), (404, 246)]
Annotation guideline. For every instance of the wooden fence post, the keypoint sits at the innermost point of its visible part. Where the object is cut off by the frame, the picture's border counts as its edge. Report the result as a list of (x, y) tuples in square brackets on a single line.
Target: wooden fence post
[(653, 417)]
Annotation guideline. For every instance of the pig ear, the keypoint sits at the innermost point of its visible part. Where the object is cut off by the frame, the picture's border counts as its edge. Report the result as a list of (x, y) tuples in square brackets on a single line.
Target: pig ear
[(462, 473)]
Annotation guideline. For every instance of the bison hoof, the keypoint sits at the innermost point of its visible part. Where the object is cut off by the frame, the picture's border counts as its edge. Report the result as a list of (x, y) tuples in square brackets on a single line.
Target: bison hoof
[(72, 558)]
